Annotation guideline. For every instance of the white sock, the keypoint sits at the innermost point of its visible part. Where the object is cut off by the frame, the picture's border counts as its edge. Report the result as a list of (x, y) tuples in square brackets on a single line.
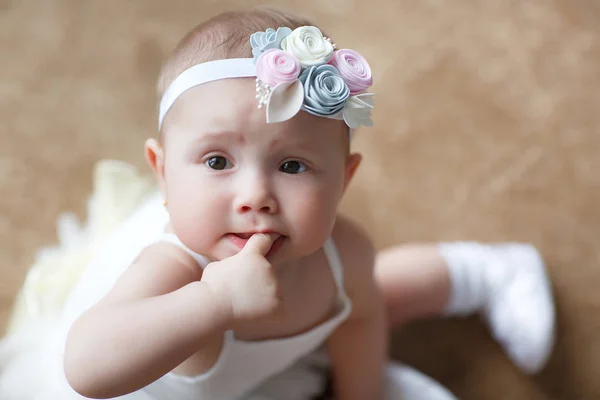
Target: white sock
[(507, 284)]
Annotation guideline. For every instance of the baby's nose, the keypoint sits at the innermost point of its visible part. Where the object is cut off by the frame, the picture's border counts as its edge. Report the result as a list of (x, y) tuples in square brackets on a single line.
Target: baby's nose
[(256, 197)]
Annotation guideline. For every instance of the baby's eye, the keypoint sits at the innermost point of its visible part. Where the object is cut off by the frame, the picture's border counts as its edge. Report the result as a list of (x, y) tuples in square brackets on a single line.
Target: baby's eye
[(293, 167), (218, 163)]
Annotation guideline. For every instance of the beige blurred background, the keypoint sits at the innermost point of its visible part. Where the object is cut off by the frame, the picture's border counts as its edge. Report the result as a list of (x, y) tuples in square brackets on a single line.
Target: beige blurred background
[(487, 128)]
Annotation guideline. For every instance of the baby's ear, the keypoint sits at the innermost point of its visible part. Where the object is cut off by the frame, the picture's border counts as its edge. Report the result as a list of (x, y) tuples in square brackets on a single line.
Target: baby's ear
[(156, 160), (352, 163)]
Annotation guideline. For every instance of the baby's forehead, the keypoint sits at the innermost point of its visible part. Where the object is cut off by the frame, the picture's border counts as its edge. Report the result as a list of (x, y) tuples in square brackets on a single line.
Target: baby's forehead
[(229, 105), (220, 104)]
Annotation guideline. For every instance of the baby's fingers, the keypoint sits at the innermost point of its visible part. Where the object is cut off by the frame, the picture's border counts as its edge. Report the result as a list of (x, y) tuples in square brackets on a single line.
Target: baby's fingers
[(259, 243)]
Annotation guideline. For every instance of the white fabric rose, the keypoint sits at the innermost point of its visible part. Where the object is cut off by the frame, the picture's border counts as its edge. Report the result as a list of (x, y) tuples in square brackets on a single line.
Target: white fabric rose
[(308, 45)]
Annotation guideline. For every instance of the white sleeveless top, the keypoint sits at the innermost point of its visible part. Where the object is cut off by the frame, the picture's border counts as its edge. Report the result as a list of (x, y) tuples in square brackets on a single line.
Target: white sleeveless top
[(244, 365)]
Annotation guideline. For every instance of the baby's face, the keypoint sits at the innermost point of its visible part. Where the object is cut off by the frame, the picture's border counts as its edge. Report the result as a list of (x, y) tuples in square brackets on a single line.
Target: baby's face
[(228, 174)]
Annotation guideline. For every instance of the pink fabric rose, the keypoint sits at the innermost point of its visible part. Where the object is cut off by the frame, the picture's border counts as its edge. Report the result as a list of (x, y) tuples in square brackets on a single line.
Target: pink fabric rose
[(275, 66), (353, 68)]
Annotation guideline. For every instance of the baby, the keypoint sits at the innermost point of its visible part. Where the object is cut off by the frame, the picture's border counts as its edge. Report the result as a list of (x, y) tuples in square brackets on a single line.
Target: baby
[(256, 269)]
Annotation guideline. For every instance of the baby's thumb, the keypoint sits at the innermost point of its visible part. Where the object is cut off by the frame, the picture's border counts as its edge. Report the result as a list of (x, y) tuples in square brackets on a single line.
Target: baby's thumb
[(259, 243)]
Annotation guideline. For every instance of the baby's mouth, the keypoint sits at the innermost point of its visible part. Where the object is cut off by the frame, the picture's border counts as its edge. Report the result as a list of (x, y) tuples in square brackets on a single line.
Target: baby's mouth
[(240, 239), (248, 235)]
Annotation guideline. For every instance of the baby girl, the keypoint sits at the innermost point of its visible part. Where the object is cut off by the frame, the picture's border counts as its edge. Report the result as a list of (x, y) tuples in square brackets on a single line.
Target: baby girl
[(255, 270)]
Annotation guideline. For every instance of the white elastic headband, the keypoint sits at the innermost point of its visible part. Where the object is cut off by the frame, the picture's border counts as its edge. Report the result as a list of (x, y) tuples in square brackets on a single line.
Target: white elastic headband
[(294, 70), (204, 73)]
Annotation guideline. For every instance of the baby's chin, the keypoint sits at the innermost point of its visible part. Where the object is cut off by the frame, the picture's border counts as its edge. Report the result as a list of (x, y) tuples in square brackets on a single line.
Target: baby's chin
[(292, 252)]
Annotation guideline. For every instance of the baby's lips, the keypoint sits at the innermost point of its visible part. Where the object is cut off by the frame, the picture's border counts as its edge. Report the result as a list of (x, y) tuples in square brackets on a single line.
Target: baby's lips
[(274, 236)]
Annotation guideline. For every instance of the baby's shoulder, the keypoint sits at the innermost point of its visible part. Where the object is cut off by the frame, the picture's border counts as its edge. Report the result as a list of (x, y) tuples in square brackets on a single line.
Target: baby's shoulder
[(169, 258), (356, 250), (159, 268)]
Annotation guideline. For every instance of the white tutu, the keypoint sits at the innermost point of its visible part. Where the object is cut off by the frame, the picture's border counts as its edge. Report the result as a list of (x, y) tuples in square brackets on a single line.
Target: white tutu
[(125, 215)]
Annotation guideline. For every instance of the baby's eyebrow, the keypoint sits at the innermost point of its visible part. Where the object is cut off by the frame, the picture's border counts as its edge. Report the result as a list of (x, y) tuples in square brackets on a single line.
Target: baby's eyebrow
[(300, 144), (231, 136)]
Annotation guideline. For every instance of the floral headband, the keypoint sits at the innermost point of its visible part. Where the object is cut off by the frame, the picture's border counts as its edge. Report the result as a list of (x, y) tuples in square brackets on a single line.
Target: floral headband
[(294, 70)]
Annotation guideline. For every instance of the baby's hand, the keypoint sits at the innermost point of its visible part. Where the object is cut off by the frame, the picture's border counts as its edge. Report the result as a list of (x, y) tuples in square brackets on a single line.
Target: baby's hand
[(246, 282)]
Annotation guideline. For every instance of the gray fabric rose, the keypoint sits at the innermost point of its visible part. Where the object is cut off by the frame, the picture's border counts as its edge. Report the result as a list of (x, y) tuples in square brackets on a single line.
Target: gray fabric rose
[(270, 39), (325, 92)]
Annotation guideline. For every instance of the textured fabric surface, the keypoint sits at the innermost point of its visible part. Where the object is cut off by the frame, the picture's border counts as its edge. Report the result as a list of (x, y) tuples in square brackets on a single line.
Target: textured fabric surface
[(486, 128)]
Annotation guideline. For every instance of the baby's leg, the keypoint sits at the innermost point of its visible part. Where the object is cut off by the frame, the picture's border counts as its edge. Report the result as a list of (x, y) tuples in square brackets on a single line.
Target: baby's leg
[(505, 283), (415, 282)]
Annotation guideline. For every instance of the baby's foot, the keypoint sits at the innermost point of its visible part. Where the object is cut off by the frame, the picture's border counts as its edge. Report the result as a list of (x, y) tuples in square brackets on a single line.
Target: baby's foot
[(519, 307)]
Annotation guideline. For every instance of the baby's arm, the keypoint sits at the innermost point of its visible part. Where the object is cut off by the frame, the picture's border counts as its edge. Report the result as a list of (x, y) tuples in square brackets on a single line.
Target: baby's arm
[(358, 348), (156, 316)]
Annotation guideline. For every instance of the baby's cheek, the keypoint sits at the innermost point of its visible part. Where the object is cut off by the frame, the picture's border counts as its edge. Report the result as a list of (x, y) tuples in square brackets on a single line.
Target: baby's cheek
[(189, 222), (314, 222)]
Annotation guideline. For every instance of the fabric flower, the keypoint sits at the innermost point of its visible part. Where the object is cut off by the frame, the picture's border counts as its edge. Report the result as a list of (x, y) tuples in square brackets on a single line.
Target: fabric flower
[(353, 68), (270, 39), (275, 66), (325, 92), (308, 45)]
